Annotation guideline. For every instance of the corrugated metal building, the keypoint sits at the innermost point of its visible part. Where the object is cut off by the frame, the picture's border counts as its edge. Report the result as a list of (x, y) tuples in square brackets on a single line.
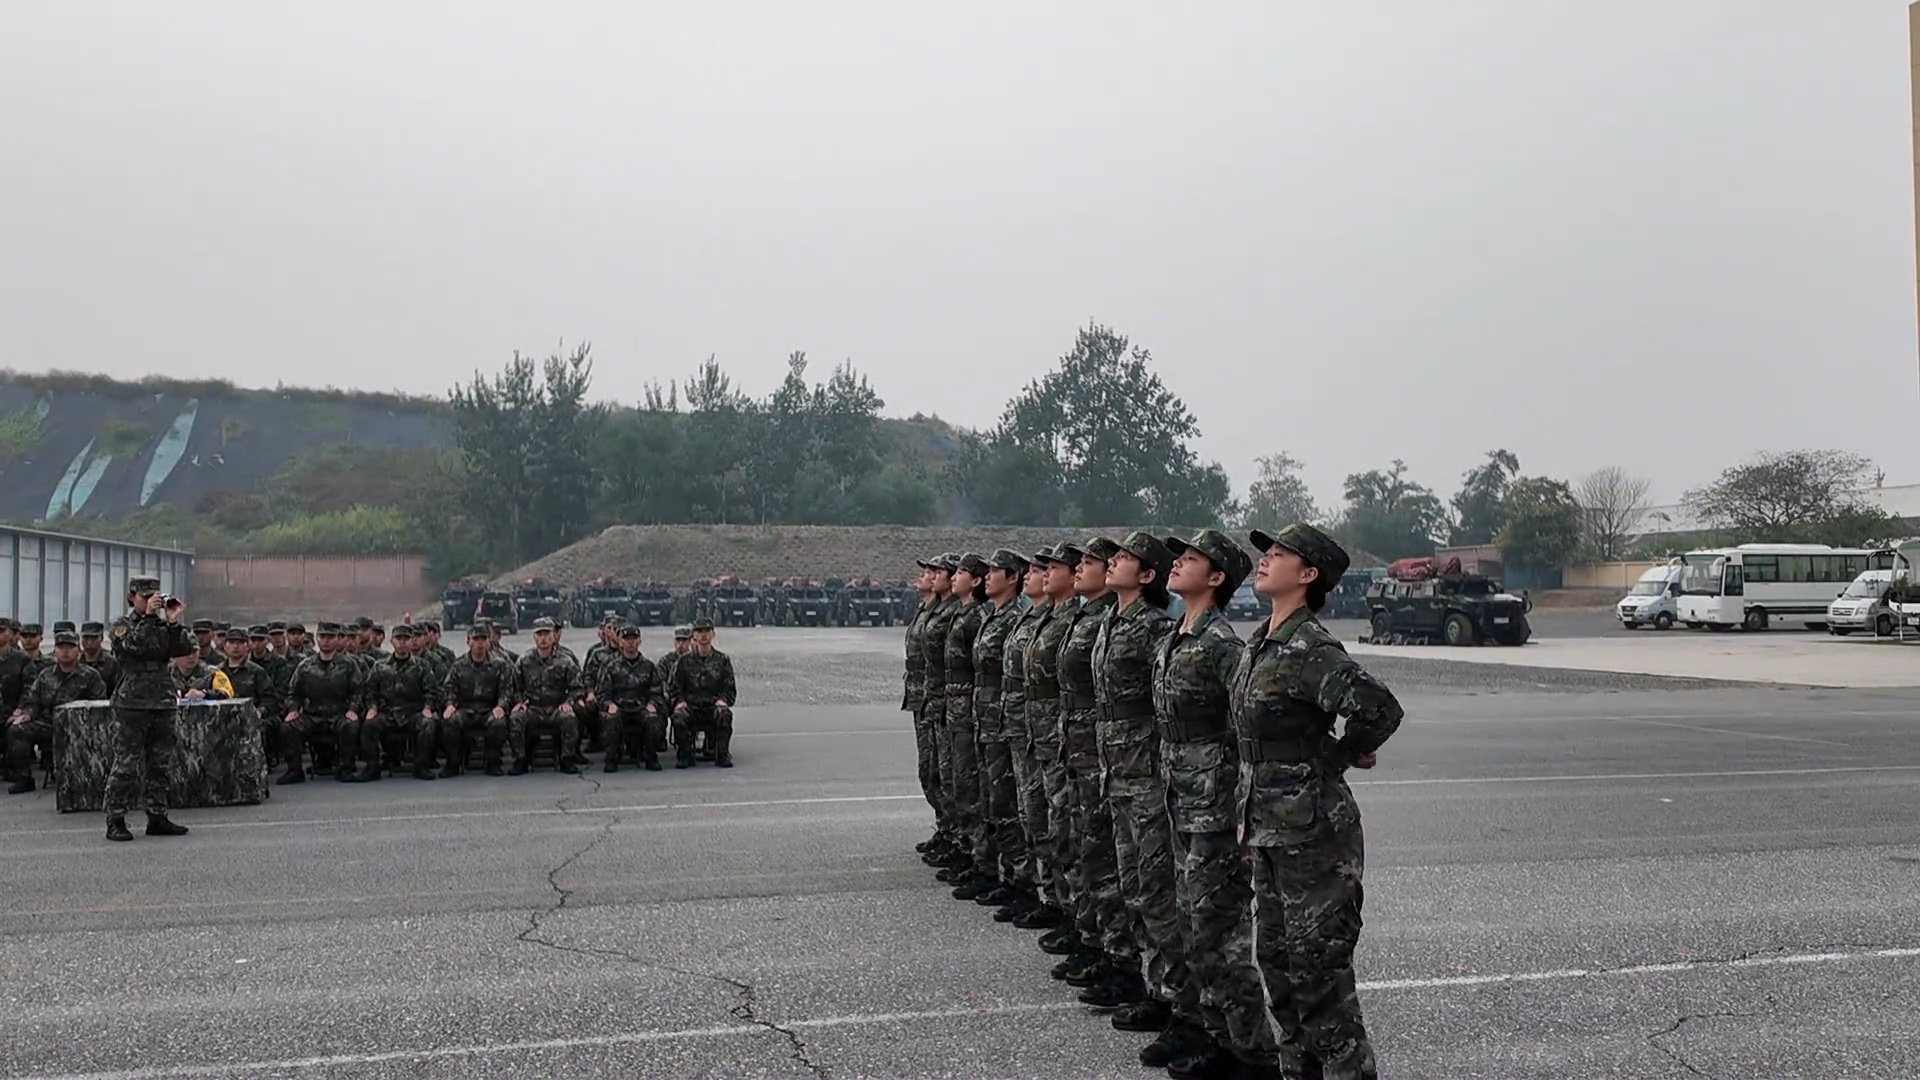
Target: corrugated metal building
[(46, 577)]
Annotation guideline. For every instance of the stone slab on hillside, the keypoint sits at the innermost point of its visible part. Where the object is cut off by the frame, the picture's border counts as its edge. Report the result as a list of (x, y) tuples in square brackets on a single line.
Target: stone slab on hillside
[(683, 554)]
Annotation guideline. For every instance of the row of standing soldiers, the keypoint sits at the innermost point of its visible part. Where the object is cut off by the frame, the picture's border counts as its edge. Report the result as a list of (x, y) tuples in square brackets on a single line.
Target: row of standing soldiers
[(1167, 801)]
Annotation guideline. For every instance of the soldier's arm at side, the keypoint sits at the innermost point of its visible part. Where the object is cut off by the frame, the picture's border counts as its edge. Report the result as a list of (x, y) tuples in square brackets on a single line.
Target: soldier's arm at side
[(728, 688), (1342, 686)]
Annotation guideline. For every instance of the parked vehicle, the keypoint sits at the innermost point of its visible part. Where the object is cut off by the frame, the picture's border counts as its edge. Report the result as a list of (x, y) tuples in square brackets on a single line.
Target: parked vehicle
[(1653, 601), (1754, 585), (1421, 600), (1864, 606), (1245, 604)]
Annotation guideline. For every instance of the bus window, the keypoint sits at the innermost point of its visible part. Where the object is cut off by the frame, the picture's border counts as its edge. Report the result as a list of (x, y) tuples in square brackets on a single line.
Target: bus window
[(1733, 586)]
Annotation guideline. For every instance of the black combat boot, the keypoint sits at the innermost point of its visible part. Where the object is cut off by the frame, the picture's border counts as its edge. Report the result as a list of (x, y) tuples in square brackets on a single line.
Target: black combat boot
[(1205, 1060), (613, 764), (22, 786), (423, 771), (651, 761), (294, 775), (684, 759), (1179, 1040), (571, 766), (494, 769), (520, 768), (1060, 941), (449, 770), (161, 825), (1148, 1015), (1042, 916), (369, 772), (1092, 969), (1115, 993), (117, 828), (974, 887)]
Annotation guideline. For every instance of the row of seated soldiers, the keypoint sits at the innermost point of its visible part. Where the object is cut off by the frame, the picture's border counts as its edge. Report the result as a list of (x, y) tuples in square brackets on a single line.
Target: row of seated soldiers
[(344, 697)]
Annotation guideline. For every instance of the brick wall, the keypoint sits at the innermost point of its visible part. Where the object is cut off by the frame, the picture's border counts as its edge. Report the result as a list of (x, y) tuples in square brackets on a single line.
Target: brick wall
[(258, 587)]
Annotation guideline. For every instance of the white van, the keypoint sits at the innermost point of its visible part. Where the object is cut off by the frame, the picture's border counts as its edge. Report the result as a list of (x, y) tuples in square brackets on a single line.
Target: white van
[(1653, 601), (1863, 606)]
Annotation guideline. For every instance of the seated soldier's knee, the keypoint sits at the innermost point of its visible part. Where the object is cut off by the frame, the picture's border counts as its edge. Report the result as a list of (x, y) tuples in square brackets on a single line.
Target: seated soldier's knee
[(722, 718)]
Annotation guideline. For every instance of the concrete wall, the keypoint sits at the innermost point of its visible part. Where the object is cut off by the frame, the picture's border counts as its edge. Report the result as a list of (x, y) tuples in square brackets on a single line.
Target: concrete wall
[(1608, 575), (46, 577), (256, 587)]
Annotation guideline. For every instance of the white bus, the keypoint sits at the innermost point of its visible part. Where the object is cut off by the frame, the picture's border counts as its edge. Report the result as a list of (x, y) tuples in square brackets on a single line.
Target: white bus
[(1754, 585)]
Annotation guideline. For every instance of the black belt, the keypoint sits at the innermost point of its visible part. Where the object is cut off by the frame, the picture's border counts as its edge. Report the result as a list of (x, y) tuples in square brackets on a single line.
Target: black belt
[(1043, 688), (1013, 684), (980, 679), (1192, 730), (1283, 751), (145, 665), (1128, 710), (1073, 699)]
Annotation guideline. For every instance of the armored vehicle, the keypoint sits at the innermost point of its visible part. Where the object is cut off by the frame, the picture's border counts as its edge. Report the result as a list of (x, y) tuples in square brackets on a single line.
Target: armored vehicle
[(593, 602), (1349, 598), (906, 601), (1421, 601), (536, 598), (863, 603), (808, 604), (728, 602), (497, 605), (653, 604), (458, 601)]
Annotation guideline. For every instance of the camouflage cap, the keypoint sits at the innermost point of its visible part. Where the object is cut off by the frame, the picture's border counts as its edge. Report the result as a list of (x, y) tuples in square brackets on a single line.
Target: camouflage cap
[(1009, 560), (431, 626), (1100, 547), (1226, 556), (1068, 553), (628, 630), (258, 632), (476, 632), (296, 628), (203, 626), (233, 634), (972, 564), (682, 633), (702, 623), (32, 629), (66, 637), (1314, 547), (221, 626), (143, 584), (364, 622), (543, 623), (64, 626), (1151, 551), (1041, 557), (403, 632), (93, 629), (329, 629), (276, 627), (933, 563), (8, 622), (610, 620)]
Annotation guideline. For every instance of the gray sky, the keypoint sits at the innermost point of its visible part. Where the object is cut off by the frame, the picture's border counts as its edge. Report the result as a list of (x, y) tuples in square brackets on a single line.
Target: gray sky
[(1661, 234)]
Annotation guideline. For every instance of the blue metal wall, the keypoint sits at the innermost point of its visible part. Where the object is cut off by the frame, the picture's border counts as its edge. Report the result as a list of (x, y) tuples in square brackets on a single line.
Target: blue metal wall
[(46, 577)]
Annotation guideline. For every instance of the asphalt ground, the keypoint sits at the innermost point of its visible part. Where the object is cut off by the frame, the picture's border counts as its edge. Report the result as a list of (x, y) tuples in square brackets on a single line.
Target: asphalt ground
[(1605, 876)]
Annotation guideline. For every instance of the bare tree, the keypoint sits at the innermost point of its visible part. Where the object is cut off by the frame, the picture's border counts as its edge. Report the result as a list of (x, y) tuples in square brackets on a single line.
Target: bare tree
[(1611, 505)]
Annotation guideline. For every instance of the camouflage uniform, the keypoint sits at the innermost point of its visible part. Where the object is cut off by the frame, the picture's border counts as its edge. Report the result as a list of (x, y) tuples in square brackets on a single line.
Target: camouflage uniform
[(198, 677), (1192, 672), (1058, 839), (251, 680), (635, 688), (323, 690), (143, 707), (699, 684), (1029, 796), (1004, 853), (404, 698), (1300, 819), (548, 688), (1136, 796), (13, 678), (913, 699), (474, 689), (50, 690), (1099, 911), (940, 615), (962, 732), (96, 657)]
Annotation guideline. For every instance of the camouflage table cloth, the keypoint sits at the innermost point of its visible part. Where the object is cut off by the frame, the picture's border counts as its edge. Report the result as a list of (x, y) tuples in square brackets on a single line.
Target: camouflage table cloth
[(220, 760)]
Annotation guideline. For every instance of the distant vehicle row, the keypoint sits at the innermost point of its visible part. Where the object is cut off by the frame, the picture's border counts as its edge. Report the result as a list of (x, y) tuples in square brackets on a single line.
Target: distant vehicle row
[(1755, 586)]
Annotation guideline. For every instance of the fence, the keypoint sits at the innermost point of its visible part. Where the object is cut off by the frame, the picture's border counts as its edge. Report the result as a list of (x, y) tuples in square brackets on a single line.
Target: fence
[(46, 577), (257, 587), (1607, 575)]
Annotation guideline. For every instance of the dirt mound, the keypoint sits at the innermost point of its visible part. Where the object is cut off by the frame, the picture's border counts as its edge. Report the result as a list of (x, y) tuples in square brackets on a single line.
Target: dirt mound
[(683, 554)]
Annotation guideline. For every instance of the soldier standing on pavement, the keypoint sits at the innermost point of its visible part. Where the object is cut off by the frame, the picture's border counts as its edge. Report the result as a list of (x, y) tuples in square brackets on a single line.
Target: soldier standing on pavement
[(913, 699), (1058, 843), (145, 640), (633, 694), (704, 695), (969, 590), (954, 854), (547, 683), (63, 681), (1032, 912), (1296, 812), (402, 700), (476, 694), (323, 706), (999, 795)]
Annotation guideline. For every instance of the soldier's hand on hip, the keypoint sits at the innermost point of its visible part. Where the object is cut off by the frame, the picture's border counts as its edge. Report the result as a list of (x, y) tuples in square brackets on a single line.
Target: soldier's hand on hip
[(293, 717), (373, 713), (651, 710), (1365, 761), (721, 703), (352, 715), (448, 715), (566, 709), (499, 713)]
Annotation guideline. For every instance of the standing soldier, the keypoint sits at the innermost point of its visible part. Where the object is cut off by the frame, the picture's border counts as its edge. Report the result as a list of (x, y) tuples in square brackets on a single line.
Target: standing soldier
[(1029, 799), (63, 681), (145, 640), (703, 693), (999, 795), (969, 590), (204, 643), (323, 705), (1057, 840), (1192, 673), (476, 694), (1297, 814), (92, 634), (913, 699), (548, 683), (954, 855), (633, 694), (401, 701)]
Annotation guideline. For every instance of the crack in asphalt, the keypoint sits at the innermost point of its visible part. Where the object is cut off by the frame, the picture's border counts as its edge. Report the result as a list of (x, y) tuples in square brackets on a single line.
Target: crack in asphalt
[(747, 1011), (1679, 1059)]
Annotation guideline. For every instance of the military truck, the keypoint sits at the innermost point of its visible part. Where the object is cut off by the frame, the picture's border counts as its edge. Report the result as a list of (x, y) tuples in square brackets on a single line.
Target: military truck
[(906, 601), (497, 605), (863, 603), (653, 604), (1421, 601), (728, 602), (537, 598), (458, 601), (808, 604), (594, 601)]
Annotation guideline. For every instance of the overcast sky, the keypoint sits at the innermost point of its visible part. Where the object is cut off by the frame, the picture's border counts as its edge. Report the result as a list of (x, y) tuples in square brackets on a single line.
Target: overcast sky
[(1661, 234)]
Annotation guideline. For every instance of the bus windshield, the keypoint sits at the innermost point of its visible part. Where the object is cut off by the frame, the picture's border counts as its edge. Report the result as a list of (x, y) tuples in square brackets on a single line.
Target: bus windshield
[(1702, 578)]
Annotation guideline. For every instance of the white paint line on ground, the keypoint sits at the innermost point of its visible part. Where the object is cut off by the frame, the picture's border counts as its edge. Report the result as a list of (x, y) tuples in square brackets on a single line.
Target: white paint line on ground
[(589, 1042)]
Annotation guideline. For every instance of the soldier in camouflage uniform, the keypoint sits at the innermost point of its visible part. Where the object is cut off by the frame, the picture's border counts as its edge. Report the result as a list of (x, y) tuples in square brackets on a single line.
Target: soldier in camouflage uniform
[(192, 676), (999, 796), (251, 680), (547, 682), (592, 709), (682, 644), (260, 651), (970, 592), (402, 697), (92, 634), (145, 640), (634, 696), (30, 636), (61, 682), (1058, 843), (913, 699), (13, 667), (1031, 911), (323, 707), (204, 644), (475, 696), (1136, 795), (1296, 812), (703, 698), (954, 856), (1200, 761), (1108, 967)]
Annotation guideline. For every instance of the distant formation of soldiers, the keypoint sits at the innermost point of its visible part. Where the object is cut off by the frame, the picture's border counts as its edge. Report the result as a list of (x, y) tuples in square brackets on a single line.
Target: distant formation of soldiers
[(349, 703), (726, 600), (1165, 801)]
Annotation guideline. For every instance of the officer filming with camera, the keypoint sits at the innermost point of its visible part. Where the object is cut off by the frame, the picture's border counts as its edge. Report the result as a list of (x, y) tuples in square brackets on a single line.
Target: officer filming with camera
[(145, 641)]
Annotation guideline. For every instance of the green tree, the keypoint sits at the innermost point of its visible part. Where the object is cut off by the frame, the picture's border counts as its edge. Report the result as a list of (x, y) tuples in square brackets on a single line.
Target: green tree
[(1479, 507), (1390, 516), (1278, 495), (1543, 524), (1800, 496)]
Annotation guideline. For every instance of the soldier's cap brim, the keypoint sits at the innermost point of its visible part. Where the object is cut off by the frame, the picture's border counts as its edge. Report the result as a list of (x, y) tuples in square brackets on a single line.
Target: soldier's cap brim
[(1263, 542)]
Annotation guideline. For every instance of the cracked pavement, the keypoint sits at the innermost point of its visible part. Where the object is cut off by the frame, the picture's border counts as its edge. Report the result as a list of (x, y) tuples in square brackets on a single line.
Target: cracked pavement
[(1724, 889)]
